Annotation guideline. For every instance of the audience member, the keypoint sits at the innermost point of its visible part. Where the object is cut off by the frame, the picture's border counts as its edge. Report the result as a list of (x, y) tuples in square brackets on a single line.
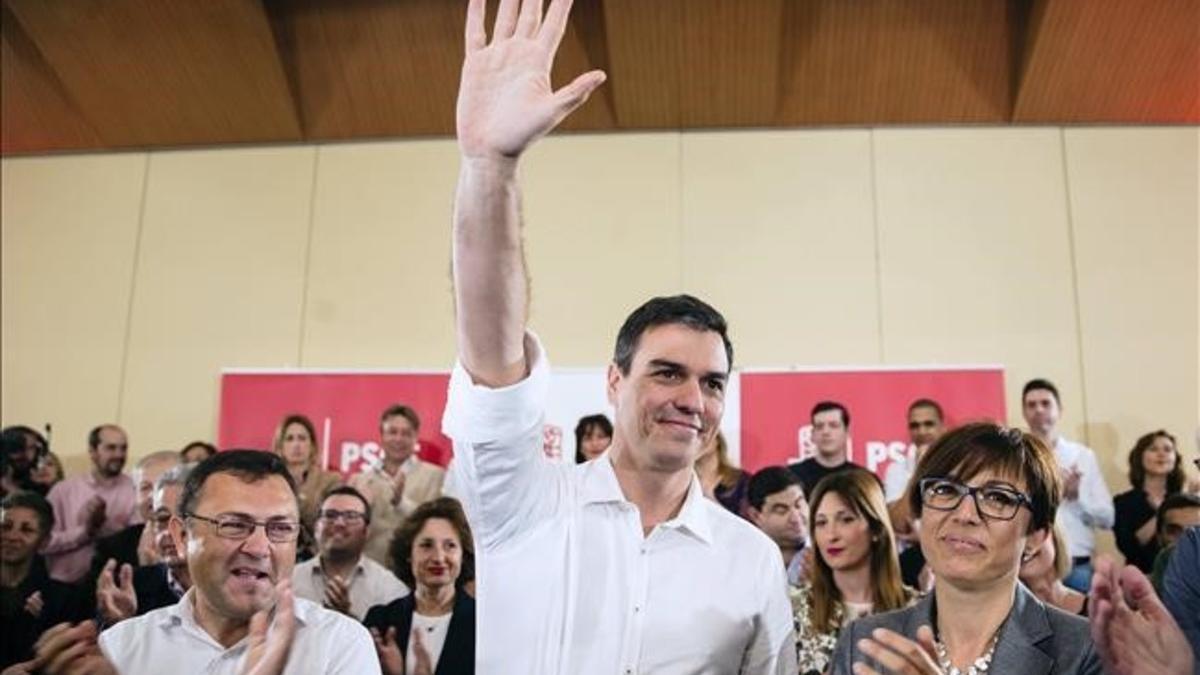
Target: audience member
[(1044, 568), (1181, 586), (238, 524), (47, 472), (431, 631), (1131, 629), (1155, 471), (135, 545), (90, 506), (30, 601), (296, 442), (830, 436), (1086, 504), (1176, 514), (926, 422), (986, 496), (614, 565), (593, 434), (340, 576), (720, 479), (21, 451), (778, 508), (855, 569), (403, 482), (123, 591), (197, 451)]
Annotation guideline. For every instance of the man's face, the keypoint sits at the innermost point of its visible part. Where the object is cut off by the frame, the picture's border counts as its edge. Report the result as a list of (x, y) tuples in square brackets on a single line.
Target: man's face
[(20, 535), (166, 506), (829, 433), (341, 528), (669, 405), (236, 578), (784, 517), (1041, 410), (109, 455), (398, 437), (1177, 521), (143, 480), (924, 426)]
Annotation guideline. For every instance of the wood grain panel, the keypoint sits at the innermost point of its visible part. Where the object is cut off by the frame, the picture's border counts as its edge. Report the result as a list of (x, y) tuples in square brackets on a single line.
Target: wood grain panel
[(730, 62), (585, 47), (1097, 61), (645, 51), (165, 72)]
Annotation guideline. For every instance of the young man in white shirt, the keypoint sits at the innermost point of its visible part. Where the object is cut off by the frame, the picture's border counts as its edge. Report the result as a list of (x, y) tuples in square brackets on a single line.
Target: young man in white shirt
[(340, 577), (1087, 504), (619, 565)]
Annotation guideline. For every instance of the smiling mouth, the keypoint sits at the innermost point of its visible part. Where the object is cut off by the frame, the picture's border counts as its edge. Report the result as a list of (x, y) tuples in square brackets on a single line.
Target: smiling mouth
[(248, 574), (960, 543)]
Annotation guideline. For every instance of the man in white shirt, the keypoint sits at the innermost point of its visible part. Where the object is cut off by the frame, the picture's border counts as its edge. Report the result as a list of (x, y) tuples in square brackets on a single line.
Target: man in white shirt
[(1087, 504), (619, 565), (340, 576), (238, 522)]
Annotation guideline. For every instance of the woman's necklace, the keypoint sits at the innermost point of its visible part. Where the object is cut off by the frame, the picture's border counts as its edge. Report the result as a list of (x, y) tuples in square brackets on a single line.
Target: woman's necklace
[(980, 666)]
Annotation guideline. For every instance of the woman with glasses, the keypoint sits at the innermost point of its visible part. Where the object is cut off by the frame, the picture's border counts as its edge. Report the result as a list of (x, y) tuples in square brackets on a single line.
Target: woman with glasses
[(1155, 471), (986, 496), (431, 631), (855, 571), (296, 442)]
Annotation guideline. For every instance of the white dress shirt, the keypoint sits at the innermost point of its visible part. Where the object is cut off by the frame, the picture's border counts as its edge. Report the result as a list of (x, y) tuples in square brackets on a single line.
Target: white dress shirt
[(567, 582), (895, 479), (168, 640), (371, 584), (1093, 508)]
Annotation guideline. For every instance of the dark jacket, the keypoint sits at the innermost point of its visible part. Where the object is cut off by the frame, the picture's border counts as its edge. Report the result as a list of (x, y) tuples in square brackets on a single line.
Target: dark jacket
[(19, 629), (1035, 639), (1132, 511), (458, 655), (152, 588)]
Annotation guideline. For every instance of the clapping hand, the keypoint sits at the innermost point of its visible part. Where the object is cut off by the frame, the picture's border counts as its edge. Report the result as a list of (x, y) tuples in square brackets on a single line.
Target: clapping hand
[(267, 651), (391, 661), (899, 655), (337, 595), (69, 649), (1132, 630), (117, 599)]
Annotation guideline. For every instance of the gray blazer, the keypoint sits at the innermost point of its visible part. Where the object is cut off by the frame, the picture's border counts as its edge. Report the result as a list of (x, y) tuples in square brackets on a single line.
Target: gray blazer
[(1035, 640)]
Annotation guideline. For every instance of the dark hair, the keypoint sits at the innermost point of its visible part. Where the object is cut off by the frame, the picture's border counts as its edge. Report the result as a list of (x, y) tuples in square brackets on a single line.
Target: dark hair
[(586, 426), (94, 434), (209, 448), (251, 466), (768, 481), (13, 438), (1040, 383), (34, 502), (400, 410), (1137, 472), (448, 509), (824, 406), (683, 310), (1179, 500), (927, 403), (973, 448), (348, 490)]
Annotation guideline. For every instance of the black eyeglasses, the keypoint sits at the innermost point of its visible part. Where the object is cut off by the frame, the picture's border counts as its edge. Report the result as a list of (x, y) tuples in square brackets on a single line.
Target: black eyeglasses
[(991, 501), (238, 528), (350, 517)]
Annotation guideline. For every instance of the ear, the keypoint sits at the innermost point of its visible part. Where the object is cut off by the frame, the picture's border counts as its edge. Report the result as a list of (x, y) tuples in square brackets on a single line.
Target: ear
[(179, 535), (1033, 542), (756, 516), (613, 381)]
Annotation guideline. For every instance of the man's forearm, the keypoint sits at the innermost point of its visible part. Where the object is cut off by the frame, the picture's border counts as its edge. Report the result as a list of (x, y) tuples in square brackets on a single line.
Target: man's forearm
[(490, 281)]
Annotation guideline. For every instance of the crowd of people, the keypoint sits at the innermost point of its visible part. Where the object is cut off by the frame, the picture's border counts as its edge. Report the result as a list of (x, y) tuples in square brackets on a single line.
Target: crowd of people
[(652, 553)]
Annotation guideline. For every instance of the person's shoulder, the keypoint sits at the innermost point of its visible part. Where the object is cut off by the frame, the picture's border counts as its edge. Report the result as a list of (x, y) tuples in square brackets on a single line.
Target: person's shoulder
[(307, 565), (429, 467), (737, 535), (136, 627), (323, 620)]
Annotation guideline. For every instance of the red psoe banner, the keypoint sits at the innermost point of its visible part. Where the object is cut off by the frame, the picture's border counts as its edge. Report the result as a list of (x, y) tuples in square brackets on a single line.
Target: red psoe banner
[(775, 406)]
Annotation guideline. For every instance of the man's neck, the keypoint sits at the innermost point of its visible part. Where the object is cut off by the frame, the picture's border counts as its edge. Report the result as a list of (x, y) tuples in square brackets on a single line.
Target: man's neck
[(658, 495), (855, 584), (226, 631), (435, 600), (1049, 436), (967, 620), (391, 465), (14, 574), (101, 478), (831, 461), (339, 564)]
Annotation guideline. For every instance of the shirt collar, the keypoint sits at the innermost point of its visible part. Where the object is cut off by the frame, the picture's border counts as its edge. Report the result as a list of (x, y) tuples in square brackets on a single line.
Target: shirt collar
[(183, 613), (600, 486)]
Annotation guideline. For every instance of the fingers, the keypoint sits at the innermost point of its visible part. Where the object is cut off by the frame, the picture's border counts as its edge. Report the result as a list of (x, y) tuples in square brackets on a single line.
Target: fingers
[(1140, 594), (126, 583), (530, 18), (390, 637), (476, 34), (864, 669), (106, 574), (576, 94), (926, 641), (554, 25), (506, 20), (897, 653)]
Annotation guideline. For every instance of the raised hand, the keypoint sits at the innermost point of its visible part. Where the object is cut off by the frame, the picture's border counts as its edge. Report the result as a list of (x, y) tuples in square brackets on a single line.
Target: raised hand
[(337, 595), (898, 655), (1132, 630), (422, 661), (505, 101), (34, 603), (116, 600), (391, 661), (69, 649), (267, 654), (94, 512)]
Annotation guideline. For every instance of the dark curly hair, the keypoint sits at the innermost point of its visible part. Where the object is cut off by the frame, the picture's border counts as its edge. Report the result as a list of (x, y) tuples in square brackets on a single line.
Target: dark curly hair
[(448, 509)]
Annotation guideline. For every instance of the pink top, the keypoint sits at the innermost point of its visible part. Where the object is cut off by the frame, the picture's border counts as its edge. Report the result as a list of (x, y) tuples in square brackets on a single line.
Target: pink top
[(69, 551)]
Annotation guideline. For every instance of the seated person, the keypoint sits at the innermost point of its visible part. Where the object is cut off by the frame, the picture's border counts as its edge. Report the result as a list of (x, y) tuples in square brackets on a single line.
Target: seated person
[(1043, 571), (778, 508), (855, 569), (431, 630), (340, 576), (1156, 472), (1176, 514), (30, 601), (986, 496), (593, 434)]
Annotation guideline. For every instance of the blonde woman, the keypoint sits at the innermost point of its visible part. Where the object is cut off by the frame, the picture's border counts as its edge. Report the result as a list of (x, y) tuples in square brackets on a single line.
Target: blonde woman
[(1043, 571), (296, 442)]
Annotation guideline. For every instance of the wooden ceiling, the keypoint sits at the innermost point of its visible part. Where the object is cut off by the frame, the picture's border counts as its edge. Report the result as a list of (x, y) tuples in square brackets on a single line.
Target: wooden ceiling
[(115, 74)]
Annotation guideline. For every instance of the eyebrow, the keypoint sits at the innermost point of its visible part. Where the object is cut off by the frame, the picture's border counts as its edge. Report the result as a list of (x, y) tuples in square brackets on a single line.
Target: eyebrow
[(673, 365)]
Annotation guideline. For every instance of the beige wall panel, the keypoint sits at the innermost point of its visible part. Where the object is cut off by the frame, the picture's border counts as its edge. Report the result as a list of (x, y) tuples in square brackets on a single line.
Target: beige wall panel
[(975, 256), (69, 233), (1134, 203), (602, 236), (379, 285), (778, 234), (219, 283)]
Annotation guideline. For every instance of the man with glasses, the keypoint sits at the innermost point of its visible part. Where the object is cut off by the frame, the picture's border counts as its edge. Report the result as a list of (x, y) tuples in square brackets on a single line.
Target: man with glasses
[(341, 577), (238, 523)]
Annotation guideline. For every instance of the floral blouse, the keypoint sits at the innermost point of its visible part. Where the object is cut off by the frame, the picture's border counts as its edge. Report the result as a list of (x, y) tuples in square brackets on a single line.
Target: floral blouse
[(814, 648)]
